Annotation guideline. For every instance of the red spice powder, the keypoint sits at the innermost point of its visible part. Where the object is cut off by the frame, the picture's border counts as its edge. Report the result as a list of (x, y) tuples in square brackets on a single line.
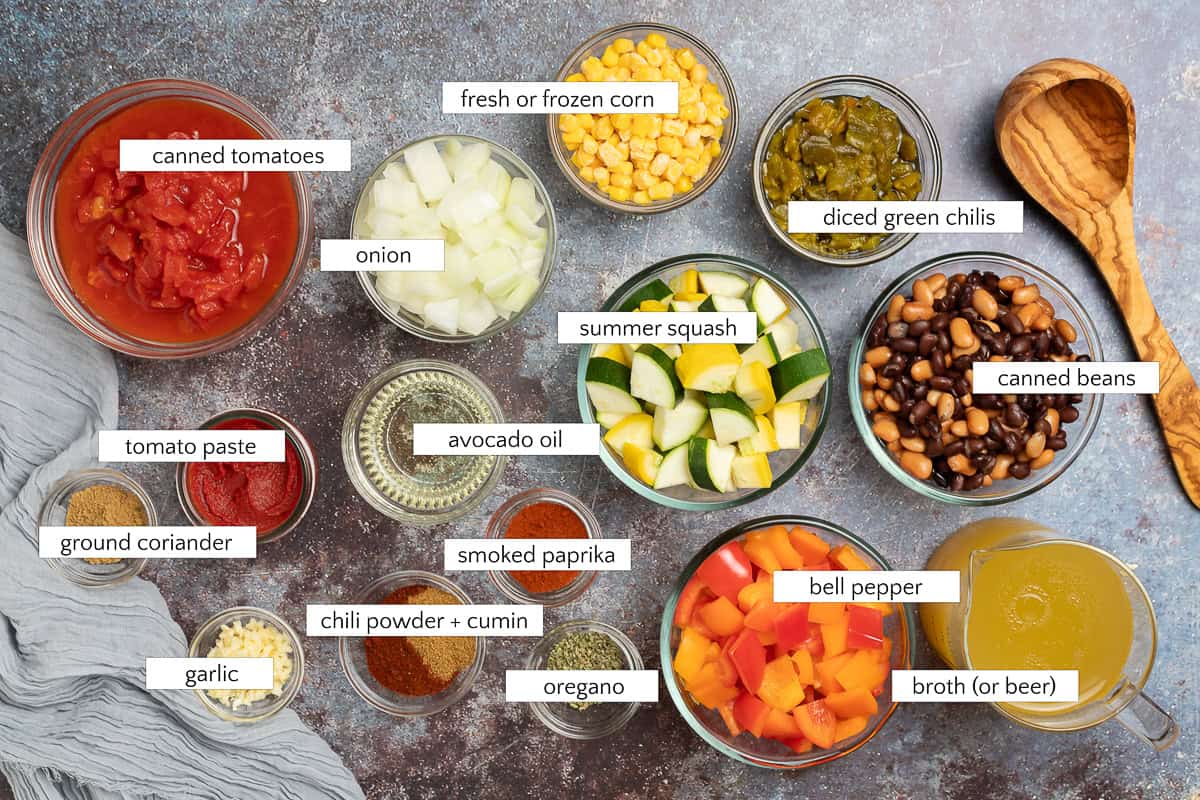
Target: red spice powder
[(545, 520)]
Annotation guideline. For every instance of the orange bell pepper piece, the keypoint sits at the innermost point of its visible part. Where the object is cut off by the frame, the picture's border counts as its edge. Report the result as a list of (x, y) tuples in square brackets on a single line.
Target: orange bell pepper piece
[(762, 616), (780, 687), (855, 703), (721, 616), (776, 538), (713, 694), (849, 727), (817, 723), (690, 654), (812, 548), (824, 613), (835, 635), (781, 725), (800, 745), (827, 670), (750, 595), (762, 556), (726, 712), (844, 557), (862, 671), (803, 661)]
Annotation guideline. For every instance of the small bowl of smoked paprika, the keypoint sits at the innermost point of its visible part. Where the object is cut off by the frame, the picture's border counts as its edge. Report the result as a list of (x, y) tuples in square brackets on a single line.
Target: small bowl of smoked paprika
[(543, 514), (165, 264), (271, 496), (412, 676)]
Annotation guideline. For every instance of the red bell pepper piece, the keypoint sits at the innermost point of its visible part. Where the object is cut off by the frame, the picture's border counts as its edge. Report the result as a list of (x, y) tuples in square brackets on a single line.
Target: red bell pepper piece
[(727, 571), (817, 723), (800, 745), (749, 658), (688, 598), (866, 628), (791, 626), (726, 712), (751, 713)]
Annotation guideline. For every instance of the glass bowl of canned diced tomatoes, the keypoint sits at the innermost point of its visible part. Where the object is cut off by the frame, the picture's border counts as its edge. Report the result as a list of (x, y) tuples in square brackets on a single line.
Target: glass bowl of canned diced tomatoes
[(781, 685)]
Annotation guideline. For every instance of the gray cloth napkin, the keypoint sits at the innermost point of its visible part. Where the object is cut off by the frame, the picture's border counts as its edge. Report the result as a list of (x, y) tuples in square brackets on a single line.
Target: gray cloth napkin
[(75, 718)]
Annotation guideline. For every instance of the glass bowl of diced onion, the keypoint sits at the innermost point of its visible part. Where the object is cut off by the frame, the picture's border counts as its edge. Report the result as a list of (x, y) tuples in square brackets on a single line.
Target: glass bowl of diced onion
[(496, 218), (697, 54), (787, 449)]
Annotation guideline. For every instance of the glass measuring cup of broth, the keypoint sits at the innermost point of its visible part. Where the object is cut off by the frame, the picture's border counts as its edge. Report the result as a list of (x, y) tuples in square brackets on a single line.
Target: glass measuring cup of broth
[(1033, 600)]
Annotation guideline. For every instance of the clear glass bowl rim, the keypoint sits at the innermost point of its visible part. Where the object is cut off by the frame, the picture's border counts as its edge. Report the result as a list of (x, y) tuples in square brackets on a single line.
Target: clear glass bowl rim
[(931, 173), (585, 406), (976, 259), (728, 136), (39, 221), (907, 639), (549, 259)]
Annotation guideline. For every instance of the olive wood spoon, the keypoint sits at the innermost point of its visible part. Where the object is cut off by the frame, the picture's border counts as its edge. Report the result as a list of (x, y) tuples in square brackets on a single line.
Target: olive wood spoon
[(1066, 130)]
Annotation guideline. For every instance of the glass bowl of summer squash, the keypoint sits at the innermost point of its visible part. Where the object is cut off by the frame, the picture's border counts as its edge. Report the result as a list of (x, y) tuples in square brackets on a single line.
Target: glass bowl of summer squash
[(702, 427)]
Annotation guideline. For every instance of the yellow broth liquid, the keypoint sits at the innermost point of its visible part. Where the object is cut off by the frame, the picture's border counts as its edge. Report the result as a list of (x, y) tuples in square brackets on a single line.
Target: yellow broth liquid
[(1052, 606)]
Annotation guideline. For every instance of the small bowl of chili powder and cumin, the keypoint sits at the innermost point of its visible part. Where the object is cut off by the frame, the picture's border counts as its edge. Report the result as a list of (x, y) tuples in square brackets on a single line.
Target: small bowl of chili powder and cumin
[(543, 513), (103, 498), (412, 676)]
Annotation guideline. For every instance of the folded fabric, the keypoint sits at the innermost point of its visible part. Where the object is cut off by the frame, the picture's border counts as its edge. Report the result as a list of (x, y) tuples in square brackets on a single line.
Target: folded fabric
[(75, 718)]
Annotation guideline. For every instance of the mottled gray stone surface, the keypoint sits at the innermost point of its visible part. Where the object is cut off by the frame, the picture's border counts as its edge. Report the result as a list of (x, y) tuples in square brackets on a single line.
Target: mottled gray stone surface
[(371, 72)]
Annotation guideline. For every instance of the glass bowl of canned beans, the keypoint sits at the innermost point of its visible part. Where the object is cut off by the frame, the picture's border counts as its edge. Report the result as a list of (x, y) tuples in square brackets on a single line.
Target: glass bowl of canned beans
[(640, 163), (912, 364)]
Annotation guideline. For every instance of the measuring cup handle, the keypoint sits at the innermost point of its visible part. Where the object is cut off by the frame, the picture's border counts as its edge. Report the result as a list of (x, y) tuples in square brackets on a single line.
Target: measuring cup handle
[(1143, 717)]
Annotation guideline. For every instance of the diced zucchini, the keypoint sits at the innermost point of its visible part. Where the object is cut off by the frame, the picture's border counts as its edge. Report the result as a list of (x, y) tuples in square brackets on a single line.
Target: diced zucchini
[(609, 419), (673, 350), (764, 351), (654, 290), (652, 377), (753, 384), (723, 283), (612, 351), (708, 367), (607, 383), (766, 302), (788, 421), (674, 426), (706, 431), (717, 302), (710, 465), (636, 428), (673, 471), (763, 441), (801, 376), (786, 333), (732, 419), (641, 462), (751, 472), (684, 305)]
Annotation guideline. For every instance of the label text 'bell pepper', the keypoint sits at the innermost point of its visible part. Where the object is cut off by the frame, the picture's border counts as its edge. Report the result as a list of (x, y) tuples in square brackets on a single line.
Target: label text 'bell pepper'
[(581, 686), (1065, 377), (827, 586), (985, 686), (506, 439), (560, 97), (423, 620)]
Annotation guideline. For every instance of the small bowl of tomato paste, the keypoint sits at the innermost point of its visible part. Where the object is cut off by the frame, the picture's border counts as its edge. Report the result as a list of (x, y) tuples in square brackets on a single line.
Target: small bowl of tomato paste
[(165, 264), (273, 496)]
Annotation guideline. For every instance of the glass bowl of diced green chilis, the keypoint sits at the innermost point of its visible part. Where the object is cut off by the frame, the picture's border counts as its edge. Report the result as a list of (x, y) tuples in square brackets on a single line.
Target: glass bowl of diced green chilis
[(844, 138)]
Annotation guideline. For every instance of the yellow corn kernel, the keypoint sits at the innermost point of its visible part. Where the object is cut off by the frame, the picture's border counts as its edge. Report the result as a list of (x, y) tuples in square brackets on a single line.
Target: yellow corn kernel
[(588, 174), (658, 165), (661, 191), (701, 172), (624, 136), (688, 95), (622, 168), (669, 145), (635, 60), (656, 40), (610, 56), (655, 57), (707, 130), (714, 148), (573, 139), (671, 71), (583, 159), (684, 185), (575, 77), (622, 122), (609, 154), (691, 168), (642, 197), (710, 94), (689, 154), (643, 179), (621, 181), (623, 45), (647, 73), (591, 68), (603, 128), (623, 149), (620, 193), (643, 47), (673, 126), (642, 125), (567, 122), (691, 139), (585, 121), (600, 175), (624, 73), (590, 145), (674, 171), (685, 58), (698, 73)]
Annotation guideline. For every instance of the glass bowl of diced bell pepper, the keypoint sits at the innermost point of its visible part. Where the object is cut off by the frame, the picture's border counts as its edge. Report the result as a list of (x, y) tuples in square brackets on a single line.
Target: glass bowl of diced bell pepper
[(701, 427), (781, 685)]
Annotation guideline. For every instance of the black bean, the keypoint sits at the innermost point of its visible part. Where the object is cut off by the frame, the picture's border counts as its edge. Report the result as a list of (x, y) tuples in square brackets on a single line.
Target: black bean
[(1014, 417), (962, 363), (905, 345), (985, 463), (919, 392), (897, 330), (1043, 426), (891, 370), (942, 477), (1075, 399), (905, 429), (1012, 442), (1057, 442), (1019, 469), (1020, 345), (943, 342), (933, 447), (1012, 323), (961, 387), (918, 329), (995, 430), (956, 483), (973, 482), (920, 411), (941, 383), (940, 322), (974, 446), (937, 361), (1083, 357), (1068, 414), (927, 343), (955, 448)]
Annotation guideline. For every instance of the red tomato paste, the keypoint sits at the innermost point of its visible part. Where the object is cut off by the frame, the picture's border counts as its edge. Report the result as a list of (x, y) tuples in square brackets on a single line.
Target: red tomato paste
[(172, 256), (263, 494)]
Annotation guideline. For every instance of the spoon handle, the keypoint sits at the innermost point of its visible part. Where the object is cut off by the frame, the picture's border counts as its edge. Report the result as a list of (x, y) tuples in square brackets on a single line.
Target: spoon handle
[(1177, 403)]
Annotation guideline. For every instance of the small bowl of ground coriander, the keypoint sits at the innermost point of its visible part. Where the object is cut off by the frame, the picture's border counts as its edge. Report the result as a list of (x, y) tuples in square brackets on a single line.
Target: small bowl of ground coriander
[(97, 497), (584, 645)]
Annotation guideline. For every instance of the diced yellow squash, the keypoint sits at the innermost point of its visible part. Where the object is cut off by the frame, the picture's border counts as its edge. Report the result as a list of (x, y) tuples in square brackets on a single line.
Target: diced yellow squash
[(686, 282), (643, 463), (691, 297), (708, 367), (788, 420), (636, 428), (752, 472), (762, 442), (613, 351), (652, 305), (753, 384), (707, 432)]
